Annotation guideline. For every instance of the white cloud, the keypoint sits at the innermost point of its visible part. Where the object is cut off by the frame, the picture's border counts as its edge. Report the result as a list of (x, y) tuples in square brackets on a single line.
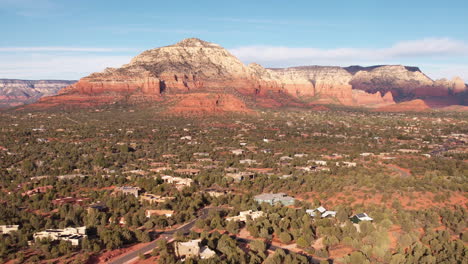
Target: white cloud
[(286, 56), (429, 53), (77, 62), (61, 49), (53, 66)]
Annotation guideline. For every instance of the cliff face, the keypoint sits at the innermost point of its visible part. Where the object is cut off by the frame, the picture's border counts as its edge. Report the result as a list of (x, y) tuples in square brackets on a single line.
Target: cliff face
[(19, 92), (197, 74), (405, 83)]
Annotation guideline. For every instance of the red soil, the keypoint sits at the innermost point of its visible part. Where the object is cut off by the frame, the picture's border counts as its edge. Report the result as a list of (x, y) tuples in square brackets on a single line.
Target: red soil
[(409, 201)]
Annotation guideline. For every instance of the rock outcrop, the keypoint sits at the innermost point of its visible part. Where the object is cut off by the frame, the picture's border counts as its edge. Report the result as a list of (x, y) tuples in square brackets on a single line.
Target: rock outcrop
[(405, 83), (417, 105), (19, 92), (197, 74)]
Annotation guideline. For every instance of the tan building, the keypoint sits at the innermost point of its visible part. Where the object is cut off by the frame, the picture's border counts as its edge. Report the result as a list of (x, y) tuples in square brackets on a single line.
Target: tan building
[(153, 198), (167, 213), (72, 234), (6, 229)]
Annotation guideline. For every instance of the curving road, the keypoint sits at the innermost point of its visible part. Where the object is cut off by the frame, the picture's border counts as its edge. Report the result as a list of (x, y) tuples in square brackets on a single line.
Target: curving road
[(168, 235), (133, 255)]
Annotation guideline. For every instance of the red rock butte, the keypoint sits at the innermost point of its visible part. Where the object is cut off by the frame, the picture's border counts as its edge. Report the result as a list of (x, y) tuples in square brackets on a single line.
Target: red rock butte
[(201, 77)]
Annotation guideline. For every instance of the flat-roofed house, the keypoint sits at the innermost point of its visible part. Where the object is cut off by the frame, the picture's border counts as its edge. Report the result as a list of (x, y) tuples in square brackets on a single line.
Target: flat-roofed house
[(166, 213), (128, 190), (6, 229), (274, 198), (189, 249)]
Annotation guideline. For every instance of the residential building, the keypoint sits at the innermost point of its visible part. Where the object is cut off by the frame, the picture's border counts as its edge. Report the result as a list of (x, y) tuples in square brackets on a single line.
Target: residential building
[(128, 190), (247, 161), (167, 213), (242, 217), (98, 206), (41, 189), (206, 253), (69, 200), (190, 172), (274, 198), (360, 217), (6, 229), (324, 213), (240, 176), (215, 192), (72, 234), (178, 181), (152, 198), (189, 249), (237, 152)]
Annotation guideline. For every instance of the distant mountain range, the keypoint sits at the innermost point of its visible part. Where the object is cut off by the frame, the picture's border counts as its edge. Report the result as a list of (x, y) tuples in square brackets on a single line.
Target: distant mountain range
[(195, 76), (19, 92)]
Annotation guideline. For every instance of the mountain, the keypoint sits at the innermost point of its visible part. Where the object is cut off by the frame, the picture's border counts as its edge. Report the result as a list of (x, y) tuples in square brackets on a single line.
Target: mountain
[(18, 92), (405, 83), (198, 76)]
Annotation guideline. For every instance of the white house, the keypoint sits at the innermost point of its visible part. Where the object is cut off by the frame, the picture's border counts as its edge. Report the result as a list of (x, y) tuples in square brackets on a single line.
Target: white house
[(72, 234), (6, 229), (242, 217)]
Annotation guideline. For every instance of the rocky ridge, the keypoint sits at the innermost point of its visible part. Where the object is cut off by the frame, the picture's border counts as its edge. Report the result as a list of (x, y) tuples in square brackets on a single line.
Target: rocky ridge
[(18, 92), (191, 70)]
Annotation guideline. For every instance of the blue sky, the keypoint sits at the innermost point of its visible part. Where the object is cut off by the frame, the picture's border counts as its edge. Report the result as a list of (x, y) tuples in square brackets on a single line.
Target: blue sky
[(68, 39)]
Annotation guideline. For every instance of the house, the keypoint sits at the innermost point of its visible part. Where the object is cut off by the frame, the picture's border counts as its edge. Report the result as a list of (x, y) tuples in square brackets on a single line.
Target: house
[(128, 190), (72, 234), (201, 154), (189, 249), (160, 169), (409, 150), (319, 162), (98, 206), (70, 176), (240, 176), (178, 181), (247, 161), (215, 192), (189, 172), (69, 200), (300, 155), (152, 198), (6, 229), (360, 217), (41, 189), (242, 217), (346, 164), (274, 198), (166, 213), (206, 253), (324, 213), (237, 152)]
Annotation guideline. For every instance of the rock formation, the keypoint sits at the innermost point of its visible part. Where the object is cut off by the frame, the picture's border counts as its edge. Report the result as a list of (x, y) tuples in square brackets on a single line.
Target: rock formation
[(405, 83), (417, 105), (195, 74), (19, 92)]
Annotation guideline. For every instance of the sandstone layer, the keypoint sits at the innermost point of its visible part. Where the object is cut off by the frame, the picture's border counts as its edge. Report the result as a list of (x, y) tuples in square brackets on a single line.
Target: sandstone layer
[(18, 92), (197, 74)]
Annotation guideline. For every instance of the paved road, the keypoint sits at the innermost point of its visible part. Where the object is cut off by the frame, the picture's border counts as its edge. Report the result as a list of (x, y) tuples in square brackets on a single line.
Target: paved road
[(168, 235), (273, 248), (131, 256)]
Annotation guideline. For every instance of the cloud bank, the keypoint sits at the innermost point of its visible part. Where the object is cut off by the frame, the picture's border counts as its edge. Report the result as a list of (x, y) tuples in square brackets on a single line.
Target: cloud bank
[(438, 57), (285, 56)]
